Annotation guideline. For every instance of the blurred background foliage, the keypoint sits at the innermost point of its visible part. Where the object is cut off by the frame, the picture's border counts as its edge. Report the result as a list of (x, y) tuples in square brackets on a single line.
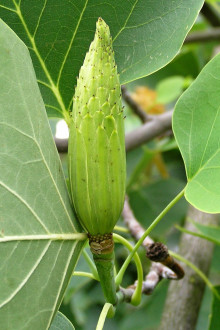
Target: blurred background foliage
[(155, 174)]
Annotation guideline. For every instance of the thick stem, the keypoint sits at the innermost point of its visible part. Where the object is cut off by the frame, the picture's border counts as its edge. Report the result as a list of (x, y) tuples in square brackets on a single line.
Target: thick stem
[(102, 247), (105, 267)]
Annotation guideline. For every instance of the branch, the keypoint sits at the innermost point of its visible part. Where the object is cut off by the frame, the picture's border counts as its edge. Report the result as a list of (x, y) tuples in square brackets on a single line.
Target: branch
[(210, 14), (148, 131), (204, 36), (144, 117), (61, 144), (184, 299)]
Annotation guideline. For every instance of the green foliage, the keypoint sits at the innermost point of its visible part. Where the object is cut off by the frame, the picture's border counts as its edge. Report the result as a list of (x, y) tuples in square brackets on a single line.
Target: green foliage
[(212, 1), (168, 90), (151, 199), (146, 36), (61, 322), (214, 319), (38, 229), (185, 64), (196, 125), (38, 246), (138, 165)]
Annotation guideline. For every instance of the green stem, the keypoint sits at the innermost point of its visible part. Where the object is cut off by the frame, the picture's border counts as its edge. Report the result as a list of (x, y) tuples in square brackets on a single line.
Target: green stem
[(105, 267), (136, 298), (91, 265), (85, 274), (107, 311), (198, 271), (147, 232)]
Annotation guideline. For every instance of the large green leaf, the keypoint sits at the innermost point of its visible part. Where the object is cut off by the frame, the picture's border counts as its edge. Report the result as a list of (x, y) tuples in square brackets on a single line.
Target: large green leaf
[(169, 89), (38, 230), (196, 125), (147, 34)]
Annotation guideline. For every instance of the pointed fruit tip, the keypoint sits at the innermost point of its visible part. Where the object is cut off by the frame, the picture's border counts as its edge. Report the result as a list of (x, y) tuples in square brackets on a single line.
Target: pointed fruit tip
[(101, 23)]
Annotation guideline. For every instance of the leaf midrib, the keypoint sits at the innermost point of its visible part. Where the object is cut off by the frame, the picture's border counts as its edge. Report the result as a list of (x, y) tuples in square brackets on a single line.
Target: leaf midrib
[(71, 42), (53, 86), (50, 237)]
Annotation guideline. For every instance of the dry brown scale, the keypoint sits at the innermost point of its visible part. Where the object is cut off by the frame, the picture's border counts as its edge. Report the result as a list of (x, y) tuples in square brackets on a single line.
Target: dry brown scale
[(101, 243)]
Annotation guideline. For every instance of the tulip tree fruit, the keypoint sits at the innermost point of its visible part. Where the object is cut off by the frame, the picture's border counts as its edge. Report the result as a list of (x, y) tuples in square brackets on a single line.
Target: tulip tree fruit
[(97, 153)]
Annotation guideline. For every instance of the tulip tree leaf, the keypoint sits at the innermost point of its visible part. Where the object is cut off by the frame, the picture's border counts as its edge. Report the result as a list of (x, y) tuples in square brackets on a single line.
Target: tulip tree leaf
[(169, 89), (38, 230), (61, 322), (196, 125), (147, 34)]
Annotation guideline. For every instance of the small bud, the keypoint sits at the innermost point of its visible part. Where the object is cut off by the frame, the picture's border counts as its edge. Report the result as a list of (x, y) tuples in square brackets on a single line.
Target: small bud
[(157, 252), (96, 143)]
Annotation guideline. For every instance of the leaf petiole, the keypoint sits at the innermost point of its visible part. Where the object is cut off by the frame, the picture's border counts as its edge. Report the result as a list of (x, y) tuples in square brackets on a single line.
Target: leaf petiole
[(91, 265), (107, 311), (136, 298), (86, 274)]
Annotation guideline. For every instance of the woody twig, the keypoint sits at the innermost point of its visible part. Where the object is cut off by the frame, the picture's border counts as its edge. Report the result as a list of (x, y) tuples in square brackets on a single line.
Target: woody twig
[(144, 117), (163, 265)]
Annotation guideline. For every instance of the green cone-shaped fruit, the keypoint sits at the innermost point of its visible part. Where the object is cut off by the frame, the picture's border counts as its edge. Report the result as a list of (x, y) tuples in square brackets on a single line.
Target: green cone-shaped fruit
[(96, 143)]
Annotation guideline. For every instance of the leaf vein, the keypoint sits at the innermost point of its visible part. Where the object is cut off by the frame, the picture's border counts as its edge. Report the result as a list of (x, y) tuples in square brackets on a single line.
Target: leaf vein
[(21, 285), (126, 21), (26, 204), (210, 133), (7, 8), (50, 237), (38, 21), (71, 43), (42, 63), (48, 169), (61, 284)]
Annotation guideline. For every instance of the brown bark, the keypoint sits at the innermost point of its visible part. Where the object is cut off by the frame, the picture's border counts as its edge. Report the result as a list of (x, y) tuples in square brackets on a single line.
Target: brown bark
[(184, 297)]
